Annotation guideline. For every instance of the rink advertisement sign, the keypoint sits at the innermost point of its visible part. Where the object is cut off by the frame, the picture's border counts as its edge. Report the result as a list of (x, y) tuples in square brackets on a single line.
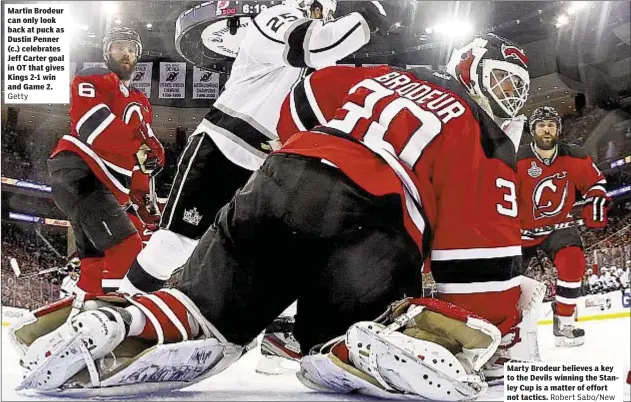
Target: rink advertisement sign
[(141, 80), (626, 298), (90, 64), (172, 80), (205, 84), (598, 302)]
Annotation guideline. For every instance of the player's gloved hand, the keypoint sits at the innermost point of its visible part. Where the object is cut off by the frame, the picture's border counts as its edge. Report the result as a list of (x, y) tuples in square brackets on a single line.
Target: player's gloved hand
[(377, 17), (595, 213), (151, 156), (146, 210)]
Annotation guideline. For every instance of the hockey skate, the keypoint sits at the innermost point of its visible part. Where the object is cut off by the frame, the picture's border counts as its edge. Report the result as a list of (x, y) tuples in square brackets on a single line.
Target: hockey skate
[(565, 333), (280, 351)]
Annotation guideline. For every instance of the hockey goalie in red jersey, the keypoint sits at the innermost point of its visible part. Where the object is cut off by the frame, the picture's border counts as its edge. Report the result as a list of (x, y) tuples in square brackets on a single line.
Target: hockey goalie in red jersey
[(550, 174), (407, 162), (101, 171)]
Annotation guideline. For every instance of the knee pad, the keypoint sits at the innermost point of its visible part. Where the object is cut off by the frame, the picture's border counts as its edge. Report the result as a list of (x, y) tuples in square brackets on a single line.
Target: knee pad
[(165, 252), (570, 263)]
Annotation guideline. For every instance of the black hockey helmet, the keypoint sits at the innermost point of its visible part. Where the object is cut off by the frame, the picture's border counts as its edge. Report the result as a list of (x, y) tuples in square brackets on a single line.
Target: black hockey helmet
[(544, 113), (121, 33)]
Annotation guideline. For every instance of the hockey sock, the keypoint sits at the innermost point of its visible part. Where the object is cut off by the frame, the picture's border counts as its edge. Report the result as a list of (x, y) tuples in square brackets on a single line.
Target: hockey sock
[(117, 261), (91, 274), (499, 308), (160, 315), (165, 252), (570, 264)]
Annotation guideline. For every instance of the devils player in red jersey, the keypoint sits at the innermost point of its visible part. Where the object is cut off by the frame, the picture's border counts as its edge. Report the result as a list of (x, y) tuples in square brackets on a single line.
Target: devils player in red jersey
[(550, 173), (101, 170), (469, 162), (340, 219)]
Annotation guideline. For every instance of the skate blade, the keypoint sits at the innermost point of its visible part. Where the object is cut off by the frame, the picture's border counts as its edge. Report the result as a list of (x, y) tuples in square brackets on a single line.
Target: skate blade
[(277, 365), (66, 355), (563, 342)]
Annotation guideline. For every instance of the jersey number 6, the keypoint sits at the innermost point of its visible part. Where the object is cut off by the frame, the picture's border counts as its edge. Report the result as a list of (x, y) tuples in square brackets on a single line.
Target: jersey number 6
[(86, 89)]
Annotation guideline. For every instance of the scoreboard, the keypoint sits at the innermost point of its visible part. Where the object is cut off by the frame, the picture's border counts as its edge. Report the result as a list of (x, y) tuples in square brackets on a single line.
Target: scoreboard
[(209, 35)]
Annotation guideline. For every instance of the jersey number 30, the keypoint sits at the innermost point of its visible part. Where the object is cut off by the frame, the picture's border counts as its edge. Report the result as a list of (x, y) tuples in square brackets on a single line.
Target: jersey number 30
[(369, 93)]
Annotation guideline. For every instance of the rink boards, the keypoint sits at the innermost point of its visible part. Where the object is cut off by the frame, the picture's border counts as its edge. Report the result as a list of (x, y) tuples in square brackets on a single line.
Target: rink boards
[(593, 307)]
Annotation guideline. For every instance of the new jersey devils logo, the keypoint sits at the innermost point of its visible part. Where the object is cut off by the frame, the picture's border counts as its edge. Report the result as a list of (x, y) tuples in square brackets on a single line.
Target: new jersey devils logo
[(206, 77), (512, 52), (172, 76), (138, 75), (222, 5), (549, 195)]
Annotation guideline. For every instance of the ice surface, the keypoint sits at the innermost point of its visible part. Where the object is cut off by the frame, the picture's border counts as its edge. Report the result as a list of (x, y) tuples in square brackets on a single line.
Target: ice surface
[(607, 341)]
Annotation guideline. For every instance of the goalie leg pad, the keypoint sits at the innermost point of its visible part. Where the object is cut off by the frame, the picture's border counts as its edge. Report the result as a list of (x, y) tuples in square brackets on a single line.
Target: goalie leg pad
[(48, 318), (160, 368), (521, 343), (407, 357), (53, 359), (136, 366), (327, 373), (401, 363)]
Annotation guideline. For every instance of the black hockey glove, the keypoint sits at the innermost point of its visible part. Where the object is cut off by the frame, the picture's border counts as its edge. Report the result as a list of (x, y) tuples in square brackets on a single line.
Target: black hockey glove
[(377, 17)]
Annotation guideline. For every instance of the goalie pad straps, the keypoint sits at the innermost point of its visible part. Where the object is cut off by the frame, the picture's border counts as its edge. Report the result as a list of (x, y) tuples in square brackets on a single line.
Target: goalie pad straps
[(498, 306), (167, 318)]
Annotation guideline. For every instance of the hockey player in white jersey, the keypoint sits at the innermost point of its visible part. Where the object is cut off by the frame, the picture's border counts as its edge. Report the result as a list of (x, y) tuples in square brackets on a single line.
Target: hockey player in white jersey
[(281, 46)]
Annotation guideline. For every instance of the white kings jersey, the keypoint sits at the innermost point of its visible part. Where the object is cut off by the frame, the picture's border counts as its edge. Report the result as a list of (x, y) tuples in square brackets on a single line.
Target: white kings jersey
[(279, 48)]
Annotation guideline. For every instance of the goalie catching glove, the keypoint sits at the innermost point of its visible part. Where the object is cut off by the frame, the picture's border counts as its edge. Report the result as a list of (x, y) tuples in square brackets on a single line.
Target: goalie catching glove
[(423, 347)]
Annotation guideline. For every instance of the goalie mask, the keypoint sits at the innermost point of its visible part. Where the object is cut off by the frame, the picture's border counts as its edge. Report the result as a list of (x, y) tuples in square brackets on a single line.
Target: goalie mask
[(121, 50), (316, 9), (495, 73)]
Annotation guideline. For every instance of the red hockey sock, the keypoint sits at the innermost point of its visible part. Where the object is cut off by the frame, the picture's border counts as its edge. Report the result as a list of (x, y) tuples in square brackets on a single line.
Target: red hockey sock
[(118, 259), (90, 275), (570, 264), (169, 313), (499, 308)]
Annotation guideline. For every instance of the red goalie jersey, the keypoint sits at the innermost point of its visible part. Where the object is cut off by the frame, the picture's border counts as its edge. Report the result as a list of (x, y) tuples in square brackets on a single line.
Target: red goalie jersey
[(420, 135), (547, 188), (104, 115)]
